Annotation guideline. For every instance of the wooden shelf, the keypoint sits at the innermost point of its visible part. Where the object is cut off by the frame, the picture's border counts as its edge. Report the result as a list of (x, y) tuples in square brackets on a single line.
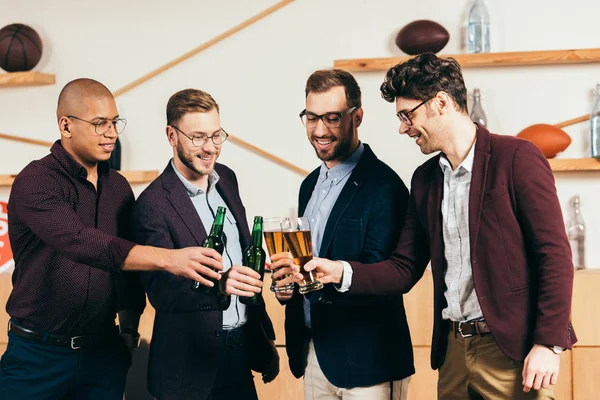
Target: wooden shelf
[(132, 177), (29, 78), (574, 164), (546, 57)]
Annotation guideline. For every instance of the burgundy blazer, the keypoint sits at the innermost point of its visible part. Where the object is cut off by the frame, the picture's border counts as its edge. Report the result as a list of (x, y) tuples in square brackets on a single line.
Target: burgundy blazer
[(520, 254)]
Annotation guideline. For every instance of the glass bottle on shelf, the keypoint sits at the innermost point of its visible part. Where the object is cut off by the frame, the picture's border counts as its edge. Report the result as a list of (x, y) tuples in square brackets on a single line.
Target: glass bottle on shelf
[(595, 124), (477, 113), (478, 30), (576, 233)]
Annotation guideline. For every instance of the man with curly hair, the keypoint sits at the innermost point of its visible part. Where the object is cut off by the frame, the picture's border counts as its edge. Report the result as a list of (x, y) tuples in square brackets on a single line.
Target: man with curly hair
[(485, 212)]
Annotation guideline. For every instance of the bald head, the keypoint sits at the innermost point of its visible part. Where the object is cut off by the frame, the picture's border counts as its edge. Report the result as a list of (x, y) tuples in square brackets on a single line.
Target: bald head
[(75, 97)]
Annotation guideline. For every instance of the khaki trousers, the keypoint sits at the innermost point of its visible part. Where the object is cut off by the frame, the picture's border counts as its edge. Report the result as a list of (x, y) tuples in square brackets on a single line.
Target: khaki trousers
[(475, 369), (317, 387)]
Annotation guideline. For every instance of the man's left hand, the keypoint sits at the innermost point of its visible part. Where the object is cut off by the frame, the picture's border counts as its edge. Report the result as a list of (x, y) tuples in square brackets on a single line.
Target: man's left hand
[(273, 369), (540, 369), (241, 281)]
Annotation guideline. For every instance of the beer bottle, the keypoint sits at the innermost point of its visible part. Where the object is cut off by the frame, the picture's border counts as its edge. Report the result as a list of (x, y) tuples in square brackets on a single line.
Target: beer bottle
[(213, 241), (254, 257)]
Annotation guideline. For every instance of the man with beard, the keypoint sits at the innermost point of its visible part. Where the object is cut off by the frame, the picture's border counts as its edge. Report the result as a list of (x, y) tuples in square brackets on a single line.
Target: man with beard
[(485, 212), (203, 345), (68, 217), (346, 347)]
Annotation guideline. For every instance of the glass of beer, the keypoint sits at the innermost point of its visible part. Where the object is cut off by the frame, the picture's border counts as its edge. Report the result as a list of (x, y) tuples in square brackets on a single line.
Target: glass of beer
[(300, 244), (273, 229)]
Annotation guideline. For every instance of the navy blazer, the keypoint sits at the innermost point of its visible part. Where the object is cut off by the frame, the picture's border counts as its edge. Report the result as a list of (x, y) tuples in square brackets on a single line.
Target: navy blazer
[(359, 340), (184, 351)]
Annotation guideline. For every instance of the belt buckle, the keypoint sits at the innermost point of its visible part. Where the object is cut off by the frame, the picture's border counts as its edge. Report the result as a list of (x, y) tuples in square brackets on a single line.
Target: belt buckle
[(468, 335), (75, 346)]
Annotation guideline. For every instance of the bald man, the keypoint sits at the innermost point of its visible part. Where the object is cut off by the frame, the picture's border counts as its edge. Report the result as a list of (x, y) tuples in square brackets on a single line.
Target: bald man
[(68, 216)]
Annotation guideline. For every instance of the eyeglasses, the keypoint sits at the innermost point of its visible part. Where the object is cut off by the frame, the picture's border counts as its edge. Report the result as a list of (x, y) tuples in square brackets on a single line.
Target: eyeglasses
[(103, 125), (406, 116), (331, 119), (199, 138)]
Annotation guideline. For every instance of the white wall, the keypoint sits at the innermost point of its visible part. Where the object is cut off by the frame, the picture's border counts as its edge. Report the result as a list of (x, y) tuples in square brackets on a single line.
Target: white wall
[(258, 77)]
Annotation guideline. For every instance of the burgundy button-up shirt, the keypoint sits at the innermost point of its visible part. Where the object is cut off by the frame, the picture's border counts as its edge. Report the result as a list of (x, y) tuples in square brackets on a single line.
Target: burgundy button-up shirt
[(68, 246)]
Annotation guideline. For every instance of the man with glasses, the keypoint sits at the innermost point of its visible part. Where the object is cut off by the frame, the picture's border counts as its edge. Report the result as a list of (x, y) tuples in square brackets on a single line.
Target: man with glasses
[(203, 346), (346, 347), (68, 216), (485, 212)]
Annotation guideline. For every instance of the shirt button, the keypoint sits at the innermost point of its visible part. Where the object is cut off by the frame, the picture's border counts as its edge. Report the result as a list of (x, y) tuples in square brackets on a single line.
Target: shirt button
[(324, 192)]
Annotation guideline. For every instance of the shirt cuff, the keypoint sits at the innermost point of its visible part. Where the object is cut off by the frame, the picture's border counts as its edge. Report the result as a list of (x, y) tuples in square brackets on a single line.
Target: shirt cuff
[(118, 250), (346, 279)]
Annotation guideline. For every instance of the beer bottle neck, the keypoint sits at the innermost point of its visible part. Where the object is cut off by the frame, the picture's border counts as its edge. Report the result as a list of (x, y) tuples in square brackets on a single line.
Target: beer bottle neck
[(257, 232), (217, 227)]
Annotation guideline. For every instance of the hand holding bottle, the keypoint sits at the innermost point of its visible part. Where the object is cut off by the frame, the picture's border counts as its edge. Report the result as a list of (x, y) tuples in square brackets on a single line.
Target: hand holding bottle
[(241, 281)]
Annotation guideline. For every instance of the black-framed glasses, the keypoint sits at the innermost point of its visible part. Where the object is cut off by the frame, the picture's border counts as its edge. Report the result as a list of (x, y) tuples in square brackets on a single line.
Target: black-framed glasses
[(103, 125), (199, 138), (406, 116), (330, 119)]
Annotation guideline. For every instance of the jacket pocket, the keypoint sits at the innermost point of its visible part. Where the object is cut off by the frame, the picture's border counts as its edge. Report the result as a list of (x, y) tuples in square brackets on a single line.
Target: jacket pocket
[(348, 237)]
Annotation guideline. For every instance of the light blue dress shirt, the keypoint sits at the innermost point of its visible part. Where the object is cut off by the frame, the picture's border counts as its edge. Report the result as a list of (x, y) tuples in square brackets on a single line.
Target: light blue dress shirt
[(206, 205), (329, 185)]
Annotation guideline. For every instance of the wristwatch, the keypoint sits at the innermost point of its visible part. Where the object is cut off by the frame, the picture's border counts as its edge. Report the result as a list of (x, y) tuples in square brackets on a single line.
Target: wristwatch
[(135, 335), (555, 349)]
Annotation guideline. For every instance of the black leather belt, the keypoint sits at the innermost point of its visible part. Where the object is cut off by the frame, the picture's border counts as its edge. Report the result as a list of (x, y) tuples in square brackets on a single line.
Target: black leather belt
[(231, 337), (73, 342), (468, 329)]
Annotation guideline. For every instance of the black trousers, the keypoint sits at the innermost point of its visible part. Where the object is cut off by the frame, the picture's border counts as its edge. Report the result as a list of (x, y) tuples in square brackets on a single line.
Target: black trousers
[(234, 378), (33, 370)]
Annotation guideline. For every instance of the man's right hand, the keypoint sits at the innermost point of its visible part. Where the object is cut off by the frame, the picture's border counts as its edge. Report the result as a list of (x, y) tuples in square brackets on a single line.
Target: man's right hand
[(327, 271), (196, 263), (285, 271)]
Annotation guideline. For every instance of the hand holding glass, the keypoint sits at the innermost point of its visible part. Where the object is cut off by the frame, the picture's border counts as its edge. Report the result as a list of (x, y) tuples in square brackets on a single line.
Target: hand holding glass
[(300, 244), (273, 229)]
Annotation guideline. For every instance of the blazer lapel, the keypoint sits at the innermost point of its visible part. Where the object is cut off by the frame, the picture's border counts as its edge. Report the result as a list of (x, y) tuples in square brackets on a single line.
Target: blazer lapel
[(180, 200), (230, 195), (478, 180), (355, 181), (306, 190), (434, 211)]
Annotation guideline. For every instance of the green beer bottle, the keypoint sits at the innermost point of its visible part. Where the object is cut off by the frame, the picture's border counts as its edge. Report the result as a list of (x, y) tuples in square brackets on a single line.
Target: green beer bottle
[(213, 241), (254, 257)]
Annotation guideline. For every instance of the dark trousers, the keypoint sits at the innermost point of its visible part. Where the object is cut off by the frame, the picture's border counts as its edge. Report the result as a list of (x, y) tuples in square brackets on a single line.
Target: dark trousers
[(234, 379), (32, 370)]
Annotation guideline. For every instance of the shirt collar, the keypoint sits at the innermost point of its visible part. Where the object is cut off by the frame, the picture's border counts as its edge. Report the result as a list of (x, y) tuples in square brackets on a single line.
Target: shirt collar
[(74, 168), (191, 189), (467, 163), (337, 173)]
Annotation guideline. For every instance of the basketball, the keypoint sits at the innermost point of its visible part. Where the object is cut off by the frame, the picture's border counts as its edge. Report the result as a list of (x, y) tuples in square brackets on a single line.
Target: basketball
[(550, 139), (20, 48)]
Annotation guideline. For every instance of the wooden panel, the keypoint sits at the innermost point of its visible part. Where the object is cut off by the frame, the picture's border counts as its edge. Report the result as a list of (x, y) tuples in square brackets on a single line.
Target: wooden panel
[(5, 289), (483, 59), (285, 386), (563, 390), (586, 370), (29, 78), (147, 321), (275, 310), (574, 164), (423, 384), (131, 176), (419, 310), (584, 314)]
